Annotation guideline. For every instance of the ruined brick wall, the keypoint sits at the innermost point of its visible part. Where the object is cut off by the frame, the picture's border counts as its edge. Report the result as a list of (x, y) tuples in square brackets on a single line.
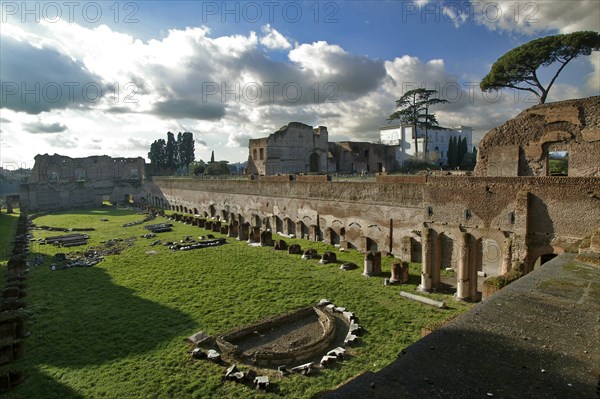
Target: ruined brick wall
[(60, 182), (295, 148), (383, 213), (509, 219), (521, 145)]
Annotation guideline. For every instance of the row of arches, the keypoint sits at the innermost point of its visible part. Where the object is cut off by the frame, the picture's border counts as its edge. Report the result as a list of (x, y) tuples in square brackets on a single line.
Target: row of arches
[(347, 234)]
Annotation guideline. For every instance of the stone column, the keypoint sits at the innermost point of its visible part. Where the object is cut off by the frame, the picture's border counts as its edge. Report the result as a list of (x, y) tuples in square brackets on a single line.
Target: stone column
[(299, 232), (399, 273), (473, 265), (254, 234), (372, 265), (313, 232), (328, 235), (506, 256), (436, 261), (464, 249), (243, 231), (233, 228), (428, 258), (266, 238)]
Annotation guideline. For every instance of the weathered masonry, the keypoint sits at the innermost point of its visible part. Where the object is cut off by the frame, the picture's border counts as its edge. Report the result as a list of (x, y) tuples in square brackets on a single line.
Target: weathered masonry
[(60, 182), (469, 224), (510, 214)]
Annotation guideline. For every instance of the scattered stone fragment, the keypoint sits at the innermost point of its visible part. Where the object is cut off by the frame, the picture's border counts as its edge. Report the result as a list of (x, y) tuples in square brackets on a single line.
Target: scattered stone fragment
[(355, 329), (339, 309), (303, 369), (327, 360), (348, 315), (213, 355), (328, 257), (198, 354), (309, 254), (324, 302), (151, 252), (280, 245), (330, 307), (261, 382), (338, 352), (348, 266), (233, 374), (351, 339), (294, 249), (198, 338), (283, 370)]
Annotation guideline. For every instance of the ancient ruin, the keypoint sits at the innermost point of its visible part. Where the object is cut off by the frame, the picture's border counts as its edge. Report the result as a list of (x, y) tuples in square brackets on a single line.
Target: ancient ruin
[(289, 340), (299, 148), (60, 182), (521, 146), (480, 227)]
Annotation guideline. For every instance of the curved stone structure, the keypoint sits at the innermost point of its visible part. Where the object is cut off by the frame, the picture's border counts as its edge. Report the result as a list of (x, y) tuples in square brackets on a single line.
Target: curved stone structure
[(249, 345)]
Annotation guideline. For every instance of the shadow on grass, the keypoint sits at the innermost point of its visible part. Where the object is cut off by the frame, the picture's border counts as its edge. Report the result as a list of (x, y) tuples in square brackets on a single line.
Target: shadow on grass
[(98, 321), (79, 318)]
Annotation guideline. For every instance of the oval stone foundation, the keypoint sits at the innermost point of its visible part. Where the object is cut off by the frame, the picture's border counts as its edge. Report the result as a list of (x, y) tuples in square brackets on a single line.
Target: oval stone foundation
[(283, 340)]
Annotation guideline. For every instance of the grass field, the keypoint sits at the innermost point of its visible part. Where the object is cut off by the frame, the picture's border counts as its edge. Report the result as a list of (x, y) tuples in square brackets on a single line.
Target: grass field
[(117, 330), (8, 227)]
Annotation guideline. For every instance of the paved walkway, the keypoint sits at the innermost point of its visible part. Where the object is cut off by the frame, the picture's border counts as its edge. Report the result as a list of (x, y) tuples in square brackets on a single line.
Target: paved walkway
[(537, 338)]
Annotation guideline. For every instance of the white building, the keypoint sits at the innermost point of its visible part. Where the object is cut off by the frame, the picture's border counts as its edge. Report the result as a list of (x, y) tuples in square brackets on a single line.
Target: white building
[(402, 136)]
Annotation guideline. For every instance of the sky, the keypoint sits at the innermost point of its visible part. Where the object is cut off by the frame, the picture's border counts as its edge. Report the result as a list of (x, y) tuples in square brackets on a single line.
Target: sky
[(109, 78)]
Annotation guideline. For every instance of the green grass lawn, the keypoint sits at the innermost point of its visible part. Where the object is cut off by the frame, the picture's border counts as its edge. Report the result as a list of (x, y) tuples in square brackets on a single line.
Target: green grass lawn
[(8, 227), (117, 330)]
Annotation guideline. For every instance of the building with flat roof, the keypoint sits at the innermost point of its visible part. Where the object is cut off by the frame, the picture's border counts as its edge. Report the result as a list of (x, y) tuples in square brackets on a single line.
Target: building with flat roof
[(407, 146)]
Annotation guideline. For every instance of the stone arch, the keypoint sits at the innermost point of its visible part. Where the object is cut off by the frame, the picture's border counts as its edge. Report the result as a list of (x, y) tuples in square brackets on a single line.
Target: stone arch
[(540, 255), (289, 226), (371, 245), (212, 210), (301, 229), (195, 211), (278, 224)]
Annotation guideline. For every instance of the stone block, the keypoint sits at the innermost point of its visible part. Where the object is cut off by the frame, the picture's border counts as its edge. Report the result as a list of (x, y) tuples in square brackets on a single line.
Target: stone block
[(328, 257), (280, 245), (294, 249), (309, 254), (372, 265), (266, 238)]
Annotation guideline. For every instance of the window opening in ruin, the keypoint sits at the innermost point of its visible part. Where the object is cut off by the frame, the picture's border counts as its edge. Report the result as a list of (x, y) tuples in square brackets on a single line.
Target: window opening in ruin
[(558, 163), (468, 214), (254, 154), (314, 162), (371, 245), (380, 167), (262, 153), (512, 218), (366, 153)]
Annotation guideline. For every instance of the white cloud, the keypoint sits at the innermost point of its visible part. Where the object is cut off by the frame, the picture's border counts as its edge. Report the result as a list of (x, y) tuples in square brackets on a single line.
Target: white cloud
[(525, 16), (167, 85), (273, 40)]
